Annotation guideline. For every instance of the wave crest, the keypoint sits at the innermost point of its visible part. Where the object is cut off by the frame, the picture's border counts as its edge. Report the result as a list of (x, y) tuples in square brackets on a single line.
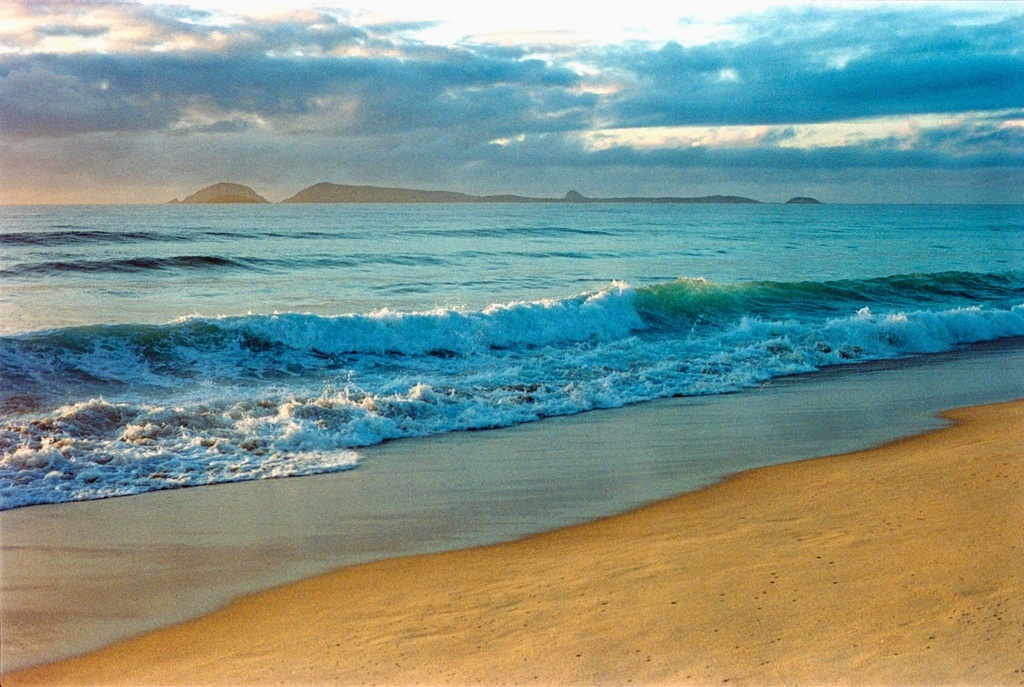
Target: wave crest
[(98, 411)]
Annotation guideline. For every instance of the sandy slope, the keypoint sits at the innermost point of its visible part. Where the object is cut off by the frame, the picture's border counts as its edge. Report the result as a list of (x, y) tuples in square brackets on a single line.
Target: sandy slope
[(901, 565)]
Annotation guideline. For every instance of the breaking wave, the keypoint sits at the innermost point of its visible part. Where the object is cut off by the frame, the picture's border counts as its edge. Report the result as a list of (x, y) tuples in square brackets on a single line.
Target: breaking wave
[(97, 411)]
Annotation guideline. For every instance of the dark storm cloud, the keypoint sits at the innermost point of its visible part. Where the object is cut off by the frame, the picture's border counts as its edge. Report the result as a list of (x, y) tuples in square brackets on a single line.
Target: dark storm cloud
[(794, 66), (985, 143), (823, 64), (48, 95), (294, 74), (40, 98), (868, 155)]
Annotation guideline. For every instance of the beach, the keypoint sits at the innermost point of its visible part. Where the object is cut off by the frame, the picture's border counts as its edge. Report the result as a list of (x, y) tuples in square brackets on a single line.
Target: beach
[(896, 565), (900, 565)]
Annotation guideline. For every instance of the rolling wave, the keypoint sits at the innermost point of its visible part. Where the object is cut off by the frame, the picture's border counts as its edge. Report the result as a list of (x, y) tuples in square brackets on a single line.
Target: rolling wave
[(194, 263), (126, 265), (686, 300), (71, 235), (96, 411)]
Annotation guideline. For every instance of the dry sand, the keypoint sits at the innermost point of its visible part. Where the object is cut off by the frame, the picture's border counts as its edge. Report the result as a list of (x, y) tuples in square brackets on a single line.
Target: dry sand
[(899, 565)]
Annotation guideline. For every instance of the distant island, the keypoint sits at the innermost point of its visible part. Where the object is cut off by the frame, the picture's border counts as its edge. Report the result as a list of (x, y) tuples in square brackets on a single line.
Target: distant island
[(325, 192), (340, 193), (224, 193), (803, 200)]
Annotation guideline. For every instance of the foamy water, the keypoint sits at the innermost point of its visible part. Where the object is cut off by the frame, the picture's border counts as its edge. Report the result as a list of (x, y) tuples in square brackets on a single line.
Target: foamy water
[(408, 338)]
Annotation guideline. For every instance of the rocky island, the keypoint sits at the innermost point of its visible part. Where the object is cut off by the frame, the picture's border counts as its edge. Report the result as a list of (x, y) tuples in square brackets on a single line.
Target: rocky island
[(325, 192), (224, 193), (664, 199)]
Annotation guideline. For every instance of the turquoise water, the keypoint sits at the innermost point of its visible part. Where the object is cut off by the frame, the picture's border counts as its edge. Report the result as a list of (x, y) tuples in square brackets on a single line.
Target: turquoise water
[(147, 348), (67, 266)]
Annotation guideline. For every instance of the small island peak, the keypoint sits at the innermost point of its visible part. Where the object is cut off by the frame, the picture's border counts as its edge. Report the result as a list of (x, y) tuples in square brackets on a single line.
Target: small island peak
[(225, 192)]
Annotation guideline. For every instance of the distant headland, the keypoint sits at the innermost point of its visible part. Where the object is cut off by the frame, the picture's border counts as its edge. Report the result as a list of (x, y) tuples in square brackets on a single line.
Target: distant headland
[(224, 193), (325, 192)]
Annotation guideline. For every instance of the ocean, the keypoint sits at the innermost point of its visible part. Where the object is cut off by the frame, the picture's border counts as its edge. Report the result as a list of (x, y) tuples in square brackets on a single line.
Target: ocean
[(152, 347)]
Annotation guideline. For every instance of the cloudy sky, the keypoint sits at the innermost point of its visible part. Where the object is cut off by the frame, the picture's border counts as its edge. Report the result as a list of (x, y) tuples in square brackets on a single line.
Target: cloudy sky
[(124, 101)]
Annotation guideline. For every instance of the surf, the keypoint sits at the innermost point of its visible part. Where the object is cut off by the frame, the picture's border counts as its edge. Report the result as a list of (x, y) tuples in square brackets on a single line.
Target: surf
[(104, 410)]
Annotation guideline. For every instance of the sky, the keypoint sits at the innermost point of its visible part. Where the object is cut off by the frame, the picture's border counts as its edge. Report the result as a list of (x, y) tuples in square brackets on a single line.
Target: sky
[(121, 101)]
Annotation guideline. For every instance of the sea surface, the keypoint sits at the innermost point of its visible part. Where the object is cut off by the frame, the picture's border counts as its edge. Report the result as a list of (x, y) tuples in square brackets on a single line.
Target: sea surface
[(154, 347)]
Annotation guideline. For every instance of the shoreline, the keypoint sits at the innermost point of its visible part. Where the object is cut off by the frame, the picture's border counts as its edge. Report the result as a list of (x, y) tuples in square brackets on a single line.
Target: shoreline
[(893, 565), (79, 576)]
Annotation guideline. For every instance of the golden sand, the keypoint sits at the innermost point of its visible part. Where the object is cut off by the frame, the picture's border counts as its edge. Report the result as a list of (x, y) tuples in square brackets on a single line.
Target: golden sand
[(899, 565)]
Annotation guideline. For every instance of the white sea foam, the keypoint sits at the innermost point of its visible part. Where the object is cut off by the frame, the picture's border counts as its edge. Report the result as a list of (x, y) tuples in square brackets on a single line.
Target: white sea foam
[(96, 449), (606, 315), (269, 396)]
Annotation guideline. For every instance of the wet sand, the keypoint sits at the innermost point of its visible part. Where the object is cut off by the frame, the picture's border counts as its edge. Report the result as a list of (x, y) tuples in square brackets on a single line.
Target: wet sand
[(897, 565), (76, 577)]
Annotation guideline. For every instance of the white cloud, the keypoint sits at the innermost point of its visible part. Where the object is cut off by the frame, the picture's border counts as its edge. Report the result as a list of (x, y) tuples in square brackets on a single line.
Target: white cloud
[(524, 21), (896, 132)]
